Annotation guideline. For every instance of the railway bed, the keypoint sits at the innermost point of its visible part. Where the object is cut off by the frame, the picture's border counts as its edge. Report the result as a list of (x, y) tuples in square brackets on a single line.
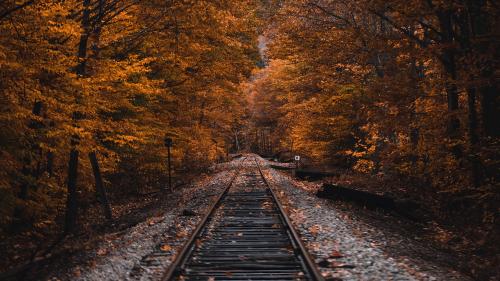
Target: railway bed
[(245, 236)]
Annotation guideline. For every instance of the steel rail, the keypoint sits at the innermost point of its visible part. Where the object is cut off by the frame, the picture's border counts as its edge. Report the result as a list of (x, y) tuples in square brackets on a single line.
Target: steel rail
[(309, 262), (180, 258), (305, 261)]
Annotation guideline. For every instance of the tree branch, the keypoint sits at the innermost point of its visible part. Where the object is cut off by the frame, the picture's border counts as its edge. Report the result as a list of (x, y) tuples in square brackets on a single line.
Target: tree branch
[(401, 29), (8, 12)]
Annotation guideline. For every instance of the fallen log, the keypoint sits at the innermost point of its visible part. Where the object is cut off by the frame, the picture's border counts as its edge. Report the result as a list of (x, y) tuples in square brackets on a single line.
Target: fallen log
[(236, 156), (406, 208), (311, 175), (276, 167), (337, 192)]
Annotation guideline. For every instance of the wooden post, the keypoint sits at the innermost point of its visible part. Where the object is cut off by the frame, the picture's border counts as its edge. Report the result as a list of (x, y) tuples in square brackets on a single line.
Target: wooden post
[(169, 171), (99, 187), (168, 144), (71, 202)]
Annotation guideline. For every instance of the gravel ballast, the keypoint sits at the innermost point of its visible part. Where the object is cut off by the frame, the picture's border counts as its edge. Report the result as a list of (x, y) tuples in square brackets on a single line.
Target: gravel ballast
[(347, 248), (346, 243), (145, 251)]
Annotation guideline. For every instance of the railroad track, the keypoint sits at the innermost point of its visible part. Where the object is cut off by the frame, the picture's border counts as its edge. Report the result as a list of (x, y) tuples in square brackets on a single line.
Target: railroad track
[(245, 236)]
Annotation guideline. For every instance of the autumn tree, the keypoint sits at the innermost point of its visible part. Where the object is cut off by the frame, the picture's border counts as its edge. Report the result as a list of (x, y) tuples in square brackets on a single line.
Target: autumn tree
[(397, 89), (115, 77)]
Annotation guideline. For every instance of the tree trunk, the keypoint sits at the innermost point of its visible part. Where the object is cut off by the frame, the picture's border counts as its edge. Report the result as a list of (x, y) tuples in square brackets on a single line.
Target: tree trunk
[(84, 38), (202, 112), (97, 32), (473, 138), (472, 116), (481, 26), (72, 202), (236, 141), (27, 170), (50, 163), (490, 111), (100, 190), (448, 61)]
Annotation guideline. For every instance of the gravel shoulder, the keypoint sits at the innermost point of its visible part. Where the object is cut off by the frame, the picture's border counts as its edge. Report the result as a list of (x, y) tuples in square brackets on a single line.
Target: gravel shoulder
[(350, 243), (145, 251)]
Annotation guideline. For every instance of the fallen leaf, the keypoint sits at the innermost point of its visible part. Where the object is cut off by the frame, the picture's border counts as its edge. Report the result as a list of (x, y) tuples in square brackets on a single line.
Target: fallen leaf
[(182, 233), (77, 272), (101, 252), (336, 255), (334, 264), (314, 230), (198, 242), (165, 248)]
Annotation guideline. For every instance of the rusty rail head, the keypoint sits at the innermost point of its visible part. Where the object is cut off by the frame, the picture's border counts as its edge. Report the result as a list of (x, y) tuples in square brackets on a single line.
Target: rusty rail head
[(183, 254), (309, 262)]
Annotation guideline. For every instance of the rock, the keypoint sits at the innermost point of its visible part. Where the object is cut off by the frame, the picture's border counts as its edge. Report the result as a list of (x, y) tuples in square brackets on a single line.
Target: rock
[(324, 263), (188, 213)]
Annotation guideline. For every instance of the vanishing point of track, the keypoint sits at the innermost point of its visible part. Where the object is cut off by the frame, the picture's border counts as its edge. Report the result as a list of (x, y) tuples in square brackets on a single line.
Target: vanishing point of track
[(245, 236)]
